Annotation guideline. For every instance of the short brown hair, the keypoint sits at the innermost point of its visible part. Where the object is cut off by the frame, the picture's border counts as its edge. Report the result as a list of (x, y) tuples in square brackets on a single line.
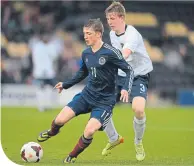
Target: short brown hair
[(95, 24), (116, 7)]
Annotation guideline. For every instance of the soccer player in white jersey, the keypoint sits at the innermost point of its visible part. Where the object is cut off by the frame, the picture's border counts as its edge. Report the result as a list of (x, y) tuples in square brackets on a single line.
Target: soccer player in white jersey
[(44, 54), (130, 42)]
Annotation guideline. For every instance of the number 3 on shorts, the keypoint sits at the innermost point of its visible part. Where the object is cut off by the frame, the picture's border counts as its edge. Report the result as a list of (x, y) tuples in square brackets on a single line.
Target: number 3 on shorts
[(142, 88)]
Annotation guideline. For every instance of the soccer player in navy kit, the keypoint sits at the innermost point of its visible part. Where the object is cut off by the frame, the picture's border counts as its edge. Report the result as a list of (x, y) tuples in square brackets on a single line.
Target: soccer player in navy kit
[(100, 62)]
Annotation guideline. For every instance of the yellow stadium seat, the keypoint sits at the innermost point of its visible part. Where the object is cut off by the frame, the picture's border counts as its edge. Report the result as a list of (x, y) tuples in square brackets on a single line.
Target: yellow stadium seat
[(17, 50), (176, 29), (141, 19), (155, 53), (191, 37), (147, 44), (12, 49), (23, 49), (4, 41)]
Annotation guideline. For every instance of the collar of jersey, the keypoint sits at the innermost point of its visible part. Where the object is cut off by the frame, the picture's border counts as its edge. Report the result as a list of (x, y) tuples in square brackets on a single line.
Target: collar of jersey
[(97, 50), (122, 33)]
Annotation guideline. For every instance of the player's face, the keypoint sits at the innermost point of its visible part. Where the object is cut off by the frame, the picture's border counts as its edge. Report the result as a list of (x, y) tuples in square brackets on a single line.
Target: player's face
[(114, 21), (90, 36)]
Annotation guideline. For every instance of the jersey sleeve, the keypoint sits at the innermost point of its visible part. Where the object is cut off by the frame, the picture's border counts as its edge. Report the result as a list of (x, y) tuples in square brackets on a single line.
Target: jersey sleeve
[(132, 39), (117, 59), (81, 74)]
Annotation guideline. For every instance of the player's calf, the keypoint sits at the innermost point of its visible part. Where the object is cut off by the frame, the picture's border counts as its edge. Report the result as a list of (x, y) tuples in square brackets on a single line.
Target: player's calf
[(85, 140), (81, 145), (45, 135), (54, 128)]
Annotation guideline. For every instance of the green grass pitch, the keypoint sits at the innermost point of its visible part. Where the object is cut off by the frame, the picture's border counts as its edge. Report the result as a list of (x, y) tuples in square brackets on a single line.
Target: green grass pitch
[(169, 137)]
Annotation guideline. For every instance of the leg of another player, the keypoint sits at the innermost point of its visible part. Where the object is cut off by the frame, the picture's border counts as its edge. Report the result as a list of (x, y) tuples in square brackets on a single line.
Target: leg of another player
[(85, 140), (114, 138), (111, 131), (63, 117), (138, 106)]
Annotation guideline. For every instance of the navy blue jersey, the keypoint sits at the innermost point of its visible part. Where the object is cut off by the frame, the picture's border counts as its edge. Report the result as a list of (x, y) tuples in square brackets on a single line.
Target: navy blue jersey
[(101, 68)]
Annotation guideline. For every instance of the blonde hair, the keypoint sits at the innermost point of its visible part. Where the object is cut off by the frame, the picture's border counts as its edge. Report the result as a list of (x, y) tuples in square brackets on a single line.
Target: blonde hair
[(116, 7)]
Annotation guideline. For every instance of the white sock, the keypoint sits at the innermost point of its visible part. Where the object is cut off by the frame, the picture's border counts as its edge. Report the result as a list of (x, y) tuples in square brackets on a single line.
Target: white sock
[(111, 131), (139, 128)]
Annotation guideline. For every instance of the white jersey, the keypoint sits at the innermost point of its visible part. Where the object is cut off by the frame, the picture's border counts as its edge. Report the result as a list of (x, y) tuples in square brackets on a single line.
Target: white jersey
[(139, 59), (43, 57)]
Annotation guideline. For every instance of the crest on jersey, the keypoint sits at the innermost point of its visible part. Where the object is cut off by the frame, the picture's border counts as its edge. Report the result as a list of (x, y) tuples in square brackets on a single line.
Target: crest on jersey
[(86, 60), (102, 61)]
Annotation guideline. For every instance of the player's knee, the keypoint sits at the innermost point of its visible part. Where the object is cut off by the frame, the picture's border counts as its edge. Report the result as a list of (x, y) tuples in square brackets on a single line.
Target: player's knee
[(139, 112), (89, 131), (138, 106)]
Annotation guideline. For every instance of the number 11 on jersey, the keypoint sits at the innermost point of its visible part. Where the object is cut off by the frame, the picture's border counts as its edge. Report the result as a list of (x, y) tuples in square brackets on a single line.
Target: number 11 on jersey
[(93, 71)]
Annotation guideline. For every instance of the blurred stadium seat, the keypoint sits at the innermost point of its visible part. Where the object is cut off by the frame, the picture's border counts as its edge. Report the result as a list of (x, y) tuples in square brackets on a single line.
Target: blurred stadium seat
[(12, 49), (155, 53), (191, 37), (141, 19), (4, 41), (17, 49), (176, 29)]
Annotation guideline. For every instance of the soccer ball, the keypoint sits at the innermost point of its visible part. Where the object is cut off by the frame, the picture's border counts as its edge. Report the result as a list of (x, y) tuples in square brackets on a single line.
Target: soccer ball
[(31, 152)]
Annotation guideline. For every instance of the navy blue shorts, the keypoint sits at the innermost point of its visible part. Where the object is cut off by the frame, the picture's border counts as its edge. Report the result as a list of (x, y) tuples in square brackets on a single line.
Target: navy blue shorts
[(80, 106), (139, 87)]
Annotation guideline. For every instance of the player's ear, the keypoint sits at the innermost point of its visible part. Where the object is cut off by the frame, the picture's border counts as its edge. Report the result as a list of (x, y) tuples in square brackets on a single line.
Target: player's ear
[(98, 34), (122, 17)]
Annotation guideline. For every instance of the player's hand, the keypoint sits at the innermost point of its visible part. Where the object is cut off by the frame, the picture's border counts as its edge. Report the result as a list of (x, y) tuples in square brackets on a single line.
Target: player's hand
[(59, 87), (124, 96)]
